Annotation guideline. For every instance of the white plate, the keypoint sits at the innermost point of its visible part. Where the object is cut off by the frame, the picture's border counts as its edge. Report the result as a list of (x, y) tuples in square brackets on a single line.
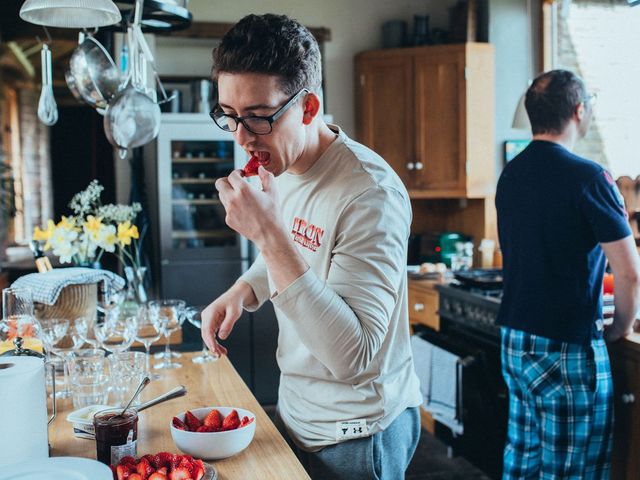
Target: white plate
[(57, 468)]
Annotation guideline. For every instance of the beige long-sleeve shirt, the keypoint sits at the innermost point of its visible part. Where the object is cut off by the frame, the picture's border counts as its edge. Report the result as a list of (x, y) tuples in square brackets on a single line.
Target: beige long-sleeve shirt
[(343, 347)]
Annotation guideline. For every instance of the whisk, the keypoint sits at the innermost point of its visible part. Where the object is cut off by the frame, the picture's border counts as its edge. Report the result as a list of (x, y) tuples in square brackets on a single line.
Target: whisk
[(47, 108)]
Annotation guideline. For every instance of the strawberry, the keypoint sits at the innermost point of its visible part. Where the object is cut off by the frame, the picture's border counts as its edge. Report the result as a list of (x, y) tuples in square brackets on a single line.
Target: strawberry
[(122, 472), (192, 421), (251, 168), (246, 421), (198, 470), (157, 476), (205, 429), (231, 421), (179, 424), (213, 419), (135, 476), (180, 473), (165, 459), (162, 470), (152, 459), (113, 471), (127, 460), (144, 468), (186, 462)]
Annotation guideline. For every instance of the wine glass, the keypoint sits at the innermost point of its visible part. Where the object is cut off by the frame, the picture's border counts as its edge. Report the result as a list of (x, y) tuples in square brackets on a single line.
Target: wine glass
[(169, 314), (116, 333), (85, 328), (149, 331), (61, 338), (195, 319)]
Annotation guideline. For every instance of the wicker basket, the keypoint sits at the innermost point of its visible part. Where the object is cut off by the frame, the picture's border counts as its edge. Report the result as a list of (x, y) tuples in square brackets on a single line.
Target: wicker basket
[(74, 301)]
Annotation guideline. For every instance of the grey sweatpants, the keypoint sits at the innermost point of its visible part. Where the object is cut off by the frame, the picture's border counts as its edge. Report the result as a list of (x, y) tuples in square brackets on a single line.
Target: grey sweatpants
[(383, 456)]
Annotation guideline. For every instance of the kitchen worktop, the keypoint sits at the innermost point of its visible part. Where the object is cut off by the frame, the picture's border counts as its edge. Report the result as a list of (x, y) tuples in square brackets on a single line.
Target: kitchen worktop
[(632, 341), (212, 384)]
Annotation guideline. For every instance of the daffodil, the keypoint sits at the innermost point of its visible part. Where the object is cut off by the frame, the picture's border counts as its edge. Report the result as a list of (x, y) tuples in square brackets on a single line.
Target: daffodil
[(44, 235), (126, 232), (92, 227), (68, 223)]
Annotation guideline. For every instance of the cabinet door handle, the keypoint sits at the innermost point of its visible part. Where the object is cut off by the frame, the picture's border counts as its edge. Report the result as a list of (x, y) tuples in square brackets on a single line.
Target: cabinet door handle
[(628, 398), (410, 166), (418, 307), (419, 166)]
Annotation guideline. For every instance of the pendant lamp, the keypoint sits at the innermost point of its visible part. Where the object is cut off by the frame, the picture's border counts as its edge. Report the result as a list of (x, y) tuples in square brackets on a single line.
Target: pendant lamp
[(70, 13)]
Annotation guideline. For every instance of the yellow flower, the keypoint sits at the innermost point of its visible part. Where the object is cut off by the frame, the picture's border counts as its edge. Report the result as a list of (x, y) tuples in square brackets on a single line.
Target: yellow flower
[(68, 223), (93, 224), (44, 235), (126, 232)]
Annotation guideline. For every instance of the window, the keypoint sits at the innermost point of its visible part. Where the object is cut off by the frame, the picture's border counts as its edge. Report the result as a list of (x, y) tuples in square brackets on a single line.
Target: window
[(598, 39)]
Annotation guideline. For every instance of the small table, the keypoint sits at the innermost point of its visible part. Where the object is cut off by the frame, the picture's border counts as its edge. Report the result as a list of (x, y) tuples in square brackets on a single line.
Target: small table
[(216, 383)]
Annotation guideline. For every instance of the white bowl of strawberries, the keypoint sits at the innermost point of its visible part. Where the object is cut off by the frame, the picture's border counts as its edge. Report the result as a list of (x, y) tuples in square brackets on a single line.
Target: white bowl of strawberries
[(213, 432)]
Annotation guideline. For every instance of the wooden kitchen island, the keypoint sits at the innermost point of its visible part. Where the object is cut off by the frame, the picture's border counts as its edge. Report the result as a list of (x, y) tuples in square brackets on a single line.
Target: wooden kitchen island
[(213, 384)]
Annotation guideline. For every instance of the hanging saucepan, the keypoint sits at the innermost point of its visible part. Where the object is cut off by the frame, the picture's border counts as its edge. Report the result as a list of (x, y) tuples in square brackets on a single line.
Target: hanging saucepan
[(95, 75), (71, 83), (132, 119)]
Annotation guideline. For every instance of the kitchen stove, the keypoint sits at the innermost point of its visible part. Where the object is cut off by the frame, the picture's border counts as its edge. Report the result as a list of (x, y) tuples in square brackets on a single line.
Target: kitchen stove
[(468, 309), (472, 308)]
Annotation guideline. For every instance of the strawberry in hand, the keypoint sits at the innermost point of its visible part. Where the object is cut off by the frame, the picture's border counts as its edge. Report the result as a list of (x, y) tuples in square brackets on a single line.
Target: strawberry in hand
[(257, 159), (251, 168)]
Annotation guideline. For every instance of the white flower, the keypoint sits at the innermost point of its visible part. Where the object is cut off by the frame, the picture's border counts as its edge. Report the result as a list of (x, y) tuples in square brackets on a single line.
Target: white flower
[(62, 242), (119, 213), (107, 238), (84, 202)]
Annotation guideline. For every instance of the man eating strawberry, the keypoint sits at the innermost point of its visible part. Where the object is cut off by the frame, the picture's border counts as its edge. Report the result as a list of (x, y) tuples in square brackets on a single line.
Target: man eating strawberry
[(331, 221)]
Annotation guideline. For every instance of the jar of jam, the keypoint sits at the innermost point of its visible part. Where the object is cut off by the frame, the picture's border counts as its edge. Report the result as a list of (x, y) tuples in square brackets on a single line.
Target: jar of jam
[(116, 434)]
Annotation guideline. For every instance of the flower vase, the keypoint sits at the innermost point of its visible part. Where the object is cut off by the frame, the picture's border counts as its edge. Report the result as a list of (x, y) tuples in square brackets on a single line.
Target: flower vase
[(136, 295)]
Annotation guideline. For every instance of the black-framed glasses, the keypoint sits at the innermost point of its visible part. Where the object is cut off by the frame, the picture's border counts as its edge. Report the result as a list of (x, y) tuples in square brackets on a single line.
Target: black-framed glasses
[(258, 125)]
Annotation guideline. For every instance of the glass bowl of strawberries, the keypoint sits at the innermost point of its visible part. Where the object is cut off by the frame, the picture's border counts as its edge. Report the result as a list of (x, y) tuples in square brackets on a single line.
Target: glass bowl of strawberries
[(213, 432)]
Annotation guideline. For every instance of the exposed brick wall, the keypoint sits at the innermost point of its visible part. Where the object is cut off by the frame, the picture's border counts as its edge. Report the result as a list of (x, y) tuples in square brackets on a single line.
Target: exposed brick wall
[(35, 165), (598, 39)]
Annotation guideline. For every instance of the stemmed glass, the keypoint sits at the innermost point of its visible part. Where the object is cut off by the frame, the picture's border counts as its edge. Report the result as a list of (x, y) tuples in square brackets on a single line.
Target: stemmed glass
[(61, 338), (193, 315), (169, 314), (149, 331), (85, 328), (116, 333)]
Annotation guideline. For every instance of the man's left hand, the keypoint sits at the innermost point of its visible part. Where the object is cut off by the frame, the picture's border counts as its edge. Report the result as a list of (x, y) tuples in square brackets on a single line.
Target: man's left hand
[(249, 211)]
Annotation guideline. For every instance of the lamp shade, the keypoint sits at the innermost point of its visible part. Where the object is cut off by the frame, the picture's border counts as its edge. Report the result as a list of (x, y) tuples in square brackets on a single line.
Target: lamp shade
[(520, 118), (70, 13)]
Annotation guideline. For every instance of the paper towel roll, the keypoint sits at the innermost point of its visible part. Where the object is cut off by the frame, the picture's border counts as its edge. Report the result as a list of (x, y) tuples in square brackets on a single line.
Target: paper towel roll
[(23, 410)]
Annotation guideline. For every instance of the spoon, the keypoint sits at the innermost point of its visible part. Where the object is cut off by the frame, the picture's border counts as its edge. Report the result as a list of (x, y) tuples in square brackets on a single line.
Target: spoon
[(145, 381), (173, 393)]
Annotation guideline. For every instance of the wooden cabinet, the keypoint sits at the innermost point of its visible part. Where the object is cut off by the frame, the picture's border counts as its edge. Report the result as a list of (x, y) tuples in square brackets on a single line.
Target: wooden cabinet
[(625, 365), (429, 111), (423, 304)]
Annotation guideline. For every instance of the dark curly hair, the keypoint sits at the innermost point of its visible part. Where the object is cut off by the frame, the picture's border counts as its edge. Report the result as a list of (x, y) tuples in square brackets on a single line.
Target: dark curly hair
[(272, 45), (551, 100)]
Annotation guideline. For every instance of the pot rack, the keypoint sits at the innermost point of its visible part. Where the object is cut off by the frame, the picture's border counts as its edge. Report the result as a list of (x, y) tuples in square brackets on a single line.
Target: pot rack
[(157, 16)]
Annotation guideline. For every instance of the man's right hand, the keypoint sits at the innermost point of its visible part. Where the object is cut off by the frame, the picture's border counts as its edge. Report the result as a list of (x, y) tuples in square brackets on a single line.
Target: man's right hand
[(221, 315)]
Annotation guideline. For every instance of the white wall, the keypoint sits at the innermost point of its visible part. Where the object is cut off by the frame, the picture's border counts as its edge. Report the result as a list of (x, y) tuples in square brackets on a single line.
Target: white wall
[(355, 26), (508, 32)]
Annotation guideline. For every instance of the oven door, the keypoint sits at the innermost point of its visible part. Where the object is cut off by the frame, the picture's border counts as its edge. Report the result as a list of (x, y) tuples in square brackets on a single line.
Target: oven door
[(482, 407)]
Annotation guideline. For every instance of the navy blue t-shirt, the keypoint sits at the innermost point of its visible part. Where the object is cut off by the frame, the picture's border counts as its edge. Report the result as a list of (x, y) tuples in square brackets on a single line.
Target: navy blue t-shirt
[(554, 209)]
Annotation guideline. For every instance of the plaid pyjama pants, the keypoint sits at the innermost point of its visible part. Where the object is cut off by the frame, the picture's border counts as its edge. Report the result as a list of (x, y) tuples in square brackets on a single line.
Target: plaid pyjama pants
[(560, 408)]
